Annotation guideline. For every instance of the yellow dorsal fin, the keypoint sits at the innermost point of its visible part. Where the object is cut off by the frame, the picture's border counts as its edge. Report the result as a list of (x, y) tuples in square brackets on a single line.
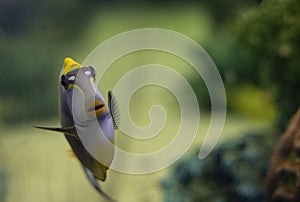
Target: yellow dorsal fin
[(69, 65)]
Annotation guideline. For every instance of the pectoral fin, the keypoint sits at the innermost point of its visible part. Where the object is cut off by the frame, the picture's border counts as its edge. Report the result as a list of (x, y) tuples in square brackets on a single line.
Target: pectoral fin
[(66, 130), (113, 109)]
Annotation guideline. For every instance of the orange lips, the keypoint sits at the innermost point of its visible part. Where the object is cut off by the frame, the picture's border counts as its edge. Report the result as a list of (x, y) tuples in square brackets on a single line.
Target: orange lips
[(97, 107)]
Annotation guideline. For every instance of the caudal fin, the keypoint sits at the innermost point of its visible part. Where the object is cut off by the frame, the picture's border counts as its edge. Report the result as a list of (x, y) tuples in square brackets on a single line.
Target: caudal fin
[(96, 184)]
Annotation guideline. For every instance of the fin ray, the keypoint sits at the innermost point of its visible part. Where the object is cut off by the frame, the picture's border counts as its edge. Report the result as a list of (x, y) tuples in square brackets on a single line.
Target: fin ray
[(66, 130), (114, 109)]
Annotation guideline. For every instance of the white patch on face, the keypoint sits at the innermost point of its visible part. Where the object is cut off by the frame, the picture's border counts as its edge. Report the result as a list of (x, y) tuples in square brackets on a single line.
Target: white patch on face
[(87, 73), (71, 78)]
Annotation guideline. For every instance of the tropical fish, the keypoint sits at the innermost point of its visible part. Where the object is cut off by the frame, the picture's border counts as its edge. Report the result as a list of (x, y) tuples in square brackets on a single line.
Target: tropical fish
[(86, 121)]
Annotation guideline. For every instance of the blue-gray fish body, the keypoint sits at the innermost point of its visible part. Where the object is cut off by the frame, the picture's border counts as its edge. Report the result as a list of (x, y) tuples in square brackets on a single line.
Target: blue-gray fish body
[(86, 121)]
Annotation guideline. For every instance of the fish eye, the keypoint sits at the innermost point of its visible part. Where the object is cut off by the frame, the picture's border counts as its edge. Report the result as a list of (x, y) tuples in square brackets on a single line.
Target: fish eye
[(71, 78), (92, 71), (67, 80), (87, 72)]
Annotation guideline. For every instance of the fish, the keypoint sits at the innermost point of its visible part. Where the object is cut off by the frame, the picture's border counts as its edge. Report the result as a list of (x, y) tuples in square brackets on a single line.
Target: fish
[(87, 122)]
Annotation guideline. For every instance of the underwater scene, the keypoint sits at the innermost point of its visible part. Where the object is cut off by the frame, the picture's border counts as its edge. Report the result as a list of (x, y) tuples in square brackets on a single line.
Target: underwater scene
[(149, 101)]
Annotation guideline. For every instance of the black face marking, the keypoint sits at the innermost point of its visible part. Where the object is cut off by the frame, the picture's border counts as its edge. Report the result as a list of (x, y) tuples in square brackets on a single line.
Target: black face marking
[(64, 81), (70, 77)]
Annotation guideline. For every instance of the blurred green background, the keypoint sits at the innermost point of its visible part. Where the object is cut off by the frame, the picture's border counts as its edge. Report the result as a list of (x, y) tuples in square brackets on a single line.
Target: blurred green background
[(254, 44)]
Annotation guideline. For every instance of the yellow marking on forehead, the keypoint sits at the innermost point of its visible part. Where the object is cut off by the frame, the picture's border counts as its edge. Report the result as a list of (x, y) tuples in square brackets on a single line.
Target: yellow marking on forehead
[(69, 65)]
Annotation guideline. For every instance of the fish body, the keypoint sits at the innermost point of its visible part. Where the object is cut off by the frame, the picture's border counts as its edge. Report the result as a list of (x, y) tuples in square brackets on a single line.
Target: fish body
[(86, 121), (67, 120)]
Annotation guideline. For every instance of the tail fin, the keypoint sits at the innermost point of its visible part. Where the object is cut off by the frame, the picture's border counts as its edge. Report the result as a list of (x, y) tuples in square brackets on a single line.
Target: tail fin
[(96, 184)]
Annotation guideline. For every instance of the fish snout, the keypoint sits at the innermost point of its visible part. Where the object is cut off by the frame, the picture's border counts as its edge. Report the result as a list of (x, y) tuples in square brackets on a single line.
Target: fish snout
[(97, 107)]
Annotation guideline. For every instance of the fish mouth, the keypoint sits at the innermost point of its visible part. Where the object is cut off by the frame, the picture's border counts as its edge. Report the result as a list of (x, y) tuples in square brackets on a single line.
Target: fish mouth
[(97, 107)]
